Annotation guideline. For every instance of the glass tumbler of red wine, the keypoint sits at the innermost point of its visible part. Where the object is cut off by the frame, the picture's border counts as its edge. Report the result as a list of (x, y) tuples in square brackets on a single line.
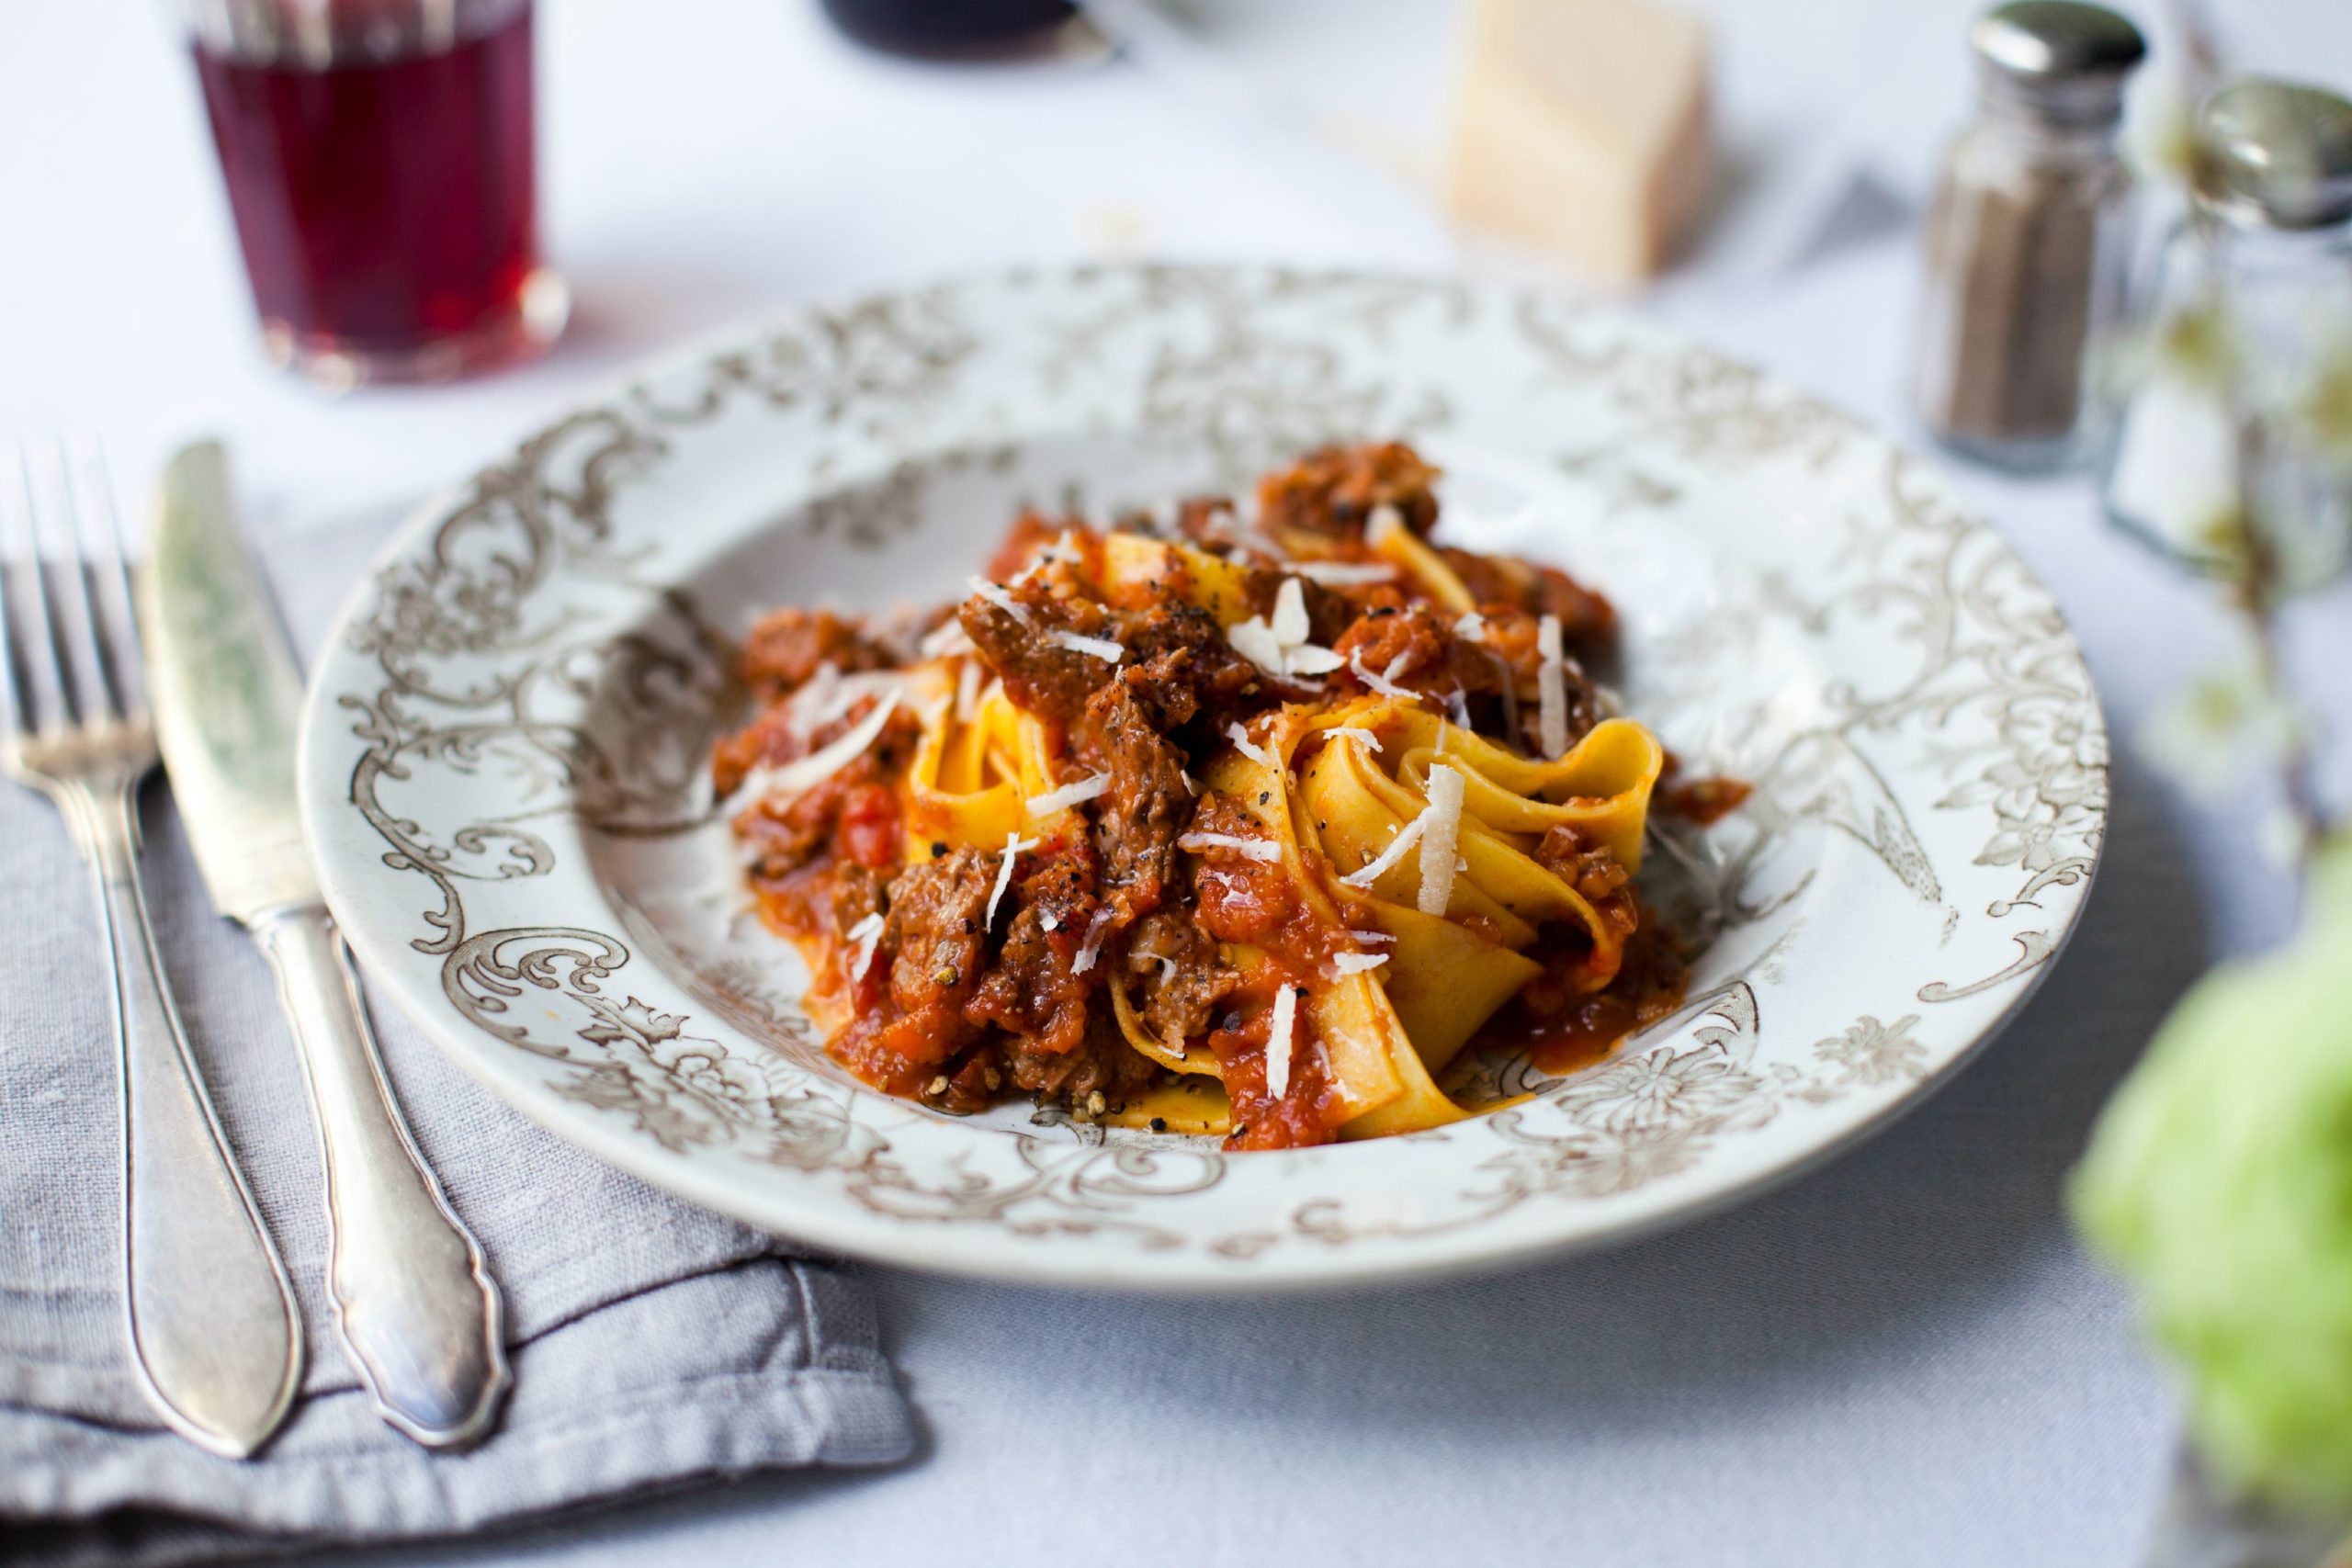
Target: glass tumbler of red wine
[(378, 159)]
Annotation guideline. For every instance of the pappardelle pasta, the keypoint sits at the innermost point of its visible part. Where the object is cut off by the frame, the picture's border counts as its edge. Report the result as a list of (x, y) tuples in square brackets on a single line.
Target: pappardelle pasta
[(1244, 818)]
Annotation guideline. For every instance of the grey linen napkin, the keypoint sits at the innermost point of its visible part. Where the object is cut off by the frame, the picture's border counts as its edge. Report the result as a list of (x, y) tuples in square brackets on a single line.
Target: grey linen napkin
[(654, 1344)]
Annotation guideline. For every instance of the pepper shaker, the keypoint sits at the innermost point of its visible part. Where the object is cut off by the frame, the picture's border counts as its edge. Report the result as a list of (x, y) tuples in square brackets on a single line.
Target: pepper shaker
[(2028, 243), (2242, 392)]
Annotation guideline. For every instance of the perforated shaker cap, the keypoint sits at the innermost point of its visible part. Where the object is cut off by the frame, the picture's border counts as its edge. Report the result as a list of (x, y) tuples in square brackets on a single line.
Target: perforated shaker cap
[(2061, 59), (2275, 154)]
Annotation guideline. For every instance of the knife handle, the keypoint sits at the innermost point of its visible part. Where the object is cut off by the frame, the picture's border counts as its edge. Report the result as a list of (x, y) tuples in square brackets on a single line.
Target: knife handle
[(214, 1332), (415, 1309)]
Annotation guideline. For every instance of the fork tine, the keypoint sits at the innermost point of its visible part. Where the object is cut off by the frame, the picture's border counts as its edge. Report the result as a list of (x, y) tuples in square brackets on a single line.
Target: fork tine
[(37, 681), (65, 578), (106, 554)]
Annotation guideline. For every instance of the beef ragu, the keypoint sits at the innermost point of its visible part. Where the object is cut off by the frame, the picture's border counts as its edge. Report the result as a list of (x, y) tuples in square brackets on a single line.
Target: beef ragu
[(1241, 817)]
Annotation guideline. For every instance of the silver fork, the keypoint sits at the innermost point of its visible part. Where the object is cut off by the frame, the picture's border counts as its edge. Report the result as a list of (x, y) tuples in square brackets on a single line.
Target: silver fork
[(214, 1331)]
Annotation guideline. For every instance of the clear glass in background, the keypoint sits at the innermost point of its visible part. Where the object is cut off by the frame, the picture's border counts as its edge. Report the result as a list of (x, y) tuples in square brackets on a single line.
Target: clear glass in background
[(2238, 387), (379, 156)]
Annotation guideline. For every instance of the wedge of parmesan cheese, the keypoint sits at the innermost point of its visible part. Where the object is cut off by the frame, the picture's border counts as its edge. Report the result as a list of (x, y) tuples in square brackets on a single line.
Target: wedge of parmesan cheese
[(1582, 126)]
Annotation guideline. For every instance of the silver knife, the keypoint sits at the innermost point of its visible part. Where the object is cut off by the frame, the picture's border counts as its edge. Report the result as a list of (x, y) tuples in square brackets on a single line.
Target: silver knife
[(417, 1311)]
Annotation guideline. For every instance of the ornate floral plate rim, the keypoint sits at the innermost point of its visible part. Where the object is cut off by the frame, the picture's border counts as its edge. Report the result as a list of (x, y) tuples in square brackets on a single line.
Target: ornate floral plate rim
[(1972, 789)]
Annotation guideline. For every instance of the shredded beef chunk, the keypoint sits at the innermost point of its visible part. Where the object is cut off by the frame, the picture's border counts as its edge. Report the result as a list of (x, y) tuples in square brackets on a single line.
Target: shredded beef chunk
[(933, 938), (1596, 875), (1180, 668), (788, 645), (1032, 532), (1175, 970), (1039, 672), (1414, 649), (854, 815), (1587, 621), (858, 891), (1174, 656), (1147, 807), (937, 928), (1033, 993), (1103, 1062), (1336, 490)]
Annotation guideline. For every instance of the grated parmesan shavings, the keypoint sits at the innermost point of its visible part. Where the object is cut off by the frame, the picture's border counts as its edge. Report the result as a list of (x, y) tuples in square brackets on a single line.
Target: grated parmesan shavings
[(1279, 647), (1102, 648), (1241, 743), (1377, 681), (794, 778), (1290, 624), (1278, 1041), (1356, 733), (864, 937), (1357, 963), (820, 700), (998, 597), (1013, 844), (1471, 628), (830, 694), (1344, 574), (967, 691), (1393, 856), (1255, 641), (1439, 862), (946, 638), (1092, 948), (1262, 850), (1069, 795), (1552, 717), (1373, 936)]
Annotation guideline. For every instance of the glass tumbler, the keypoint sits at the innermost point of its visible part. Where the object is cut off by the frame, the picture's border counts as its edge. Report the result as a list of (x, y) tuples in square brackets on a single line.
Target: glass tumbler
[(379, 160)]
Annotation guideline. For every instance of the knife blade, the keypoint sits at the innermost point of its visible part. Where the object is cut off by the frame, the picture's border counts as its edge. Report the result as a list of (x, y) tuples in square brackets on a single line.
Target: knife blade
[(227, 695), (417, 1311)]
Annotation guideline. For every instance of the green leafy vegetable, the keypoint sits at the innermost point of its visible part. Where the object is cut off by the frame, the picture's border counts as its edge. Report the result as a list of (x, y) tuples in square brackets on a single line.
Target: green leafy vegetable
[(2219, 1179)]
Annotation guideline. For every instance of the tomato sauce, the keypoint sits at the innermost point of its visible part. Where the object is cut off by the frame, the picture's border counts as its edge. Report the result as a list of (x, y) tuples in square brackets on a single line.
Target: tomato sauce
[(1562, 1026)]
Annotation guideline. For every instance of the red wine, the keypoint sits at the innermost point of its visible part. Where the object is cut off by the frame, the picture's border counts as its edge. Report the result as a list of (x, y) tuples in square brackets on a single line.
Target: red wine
[(948, 27), (385, 207)]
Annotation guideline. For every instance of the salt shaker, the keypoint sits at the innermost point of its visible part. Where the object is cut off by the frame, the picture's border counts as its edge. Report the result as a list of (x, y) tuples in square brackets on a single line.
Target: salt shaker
[(2028, 244), (2243, 366)]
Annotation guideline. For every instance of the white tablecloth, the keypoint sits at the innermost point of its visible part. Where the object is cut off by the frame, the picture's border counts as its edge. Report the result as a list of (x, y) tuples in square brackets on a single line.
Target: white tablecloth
[(1901, 1358)]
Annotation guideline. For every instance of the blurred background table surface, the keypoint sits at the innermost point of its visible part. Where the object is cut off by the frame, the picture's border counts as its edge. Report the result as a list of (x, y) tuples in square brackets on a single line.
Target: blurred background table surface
[(1903, 1358)]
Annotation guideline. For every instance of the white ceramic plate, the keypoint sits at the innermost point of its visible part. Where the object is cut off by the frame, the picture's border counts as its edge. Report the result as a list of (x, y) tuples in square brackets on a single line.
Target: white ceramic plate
[(502, 764)]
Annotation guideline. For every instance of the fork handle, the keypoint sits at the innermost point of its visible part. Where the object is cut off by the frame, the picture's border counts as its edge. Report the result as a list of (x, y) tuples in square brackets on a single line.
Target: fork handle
[(415, 1308), (214, 1331)]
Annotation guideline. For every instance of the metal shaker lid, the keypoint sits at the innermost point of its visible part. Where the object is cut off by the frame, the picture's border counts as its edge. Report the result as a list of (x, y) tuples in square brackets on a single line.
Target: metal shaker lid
[(2060, 58), (2275, 154)]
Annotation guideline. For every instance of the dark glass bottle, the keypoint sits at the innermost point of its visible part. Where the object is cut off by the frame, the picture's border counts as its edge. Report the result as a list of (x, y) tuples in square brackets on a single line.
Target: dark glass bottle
[(949, 28)]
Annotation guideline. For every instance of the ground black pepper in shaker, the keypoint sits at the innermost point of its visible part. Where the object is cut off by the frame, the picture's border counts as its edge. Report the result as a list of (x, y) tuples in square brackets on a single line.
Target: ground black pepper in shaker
[(2027, 242)]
